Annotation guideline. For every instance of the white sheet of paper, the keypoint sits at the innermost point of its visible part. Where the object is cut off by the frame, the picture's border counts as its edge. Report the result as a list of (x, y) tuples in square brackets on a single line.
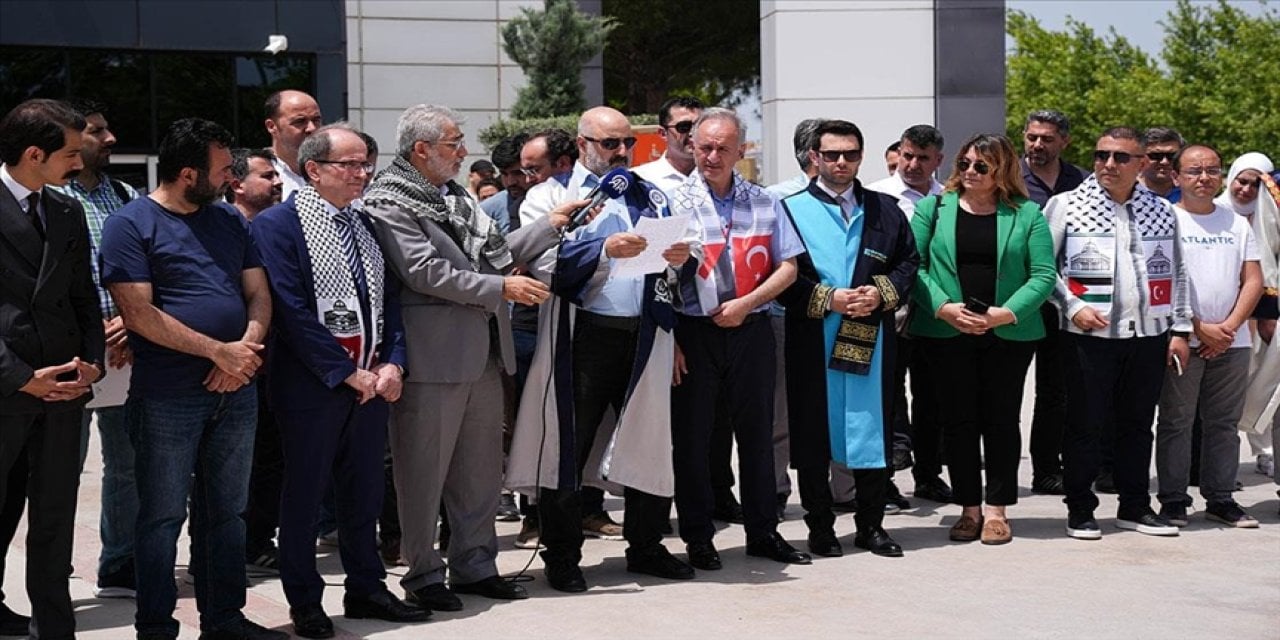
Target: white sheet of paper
[(660, 233), (112, 390)]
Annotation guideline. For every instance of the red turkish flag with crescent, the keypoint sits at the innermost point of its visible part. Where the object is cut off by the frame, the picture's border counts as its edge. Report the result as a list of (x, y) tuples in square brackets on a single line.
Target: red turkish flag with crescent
[(1161, 291), (751, 262)]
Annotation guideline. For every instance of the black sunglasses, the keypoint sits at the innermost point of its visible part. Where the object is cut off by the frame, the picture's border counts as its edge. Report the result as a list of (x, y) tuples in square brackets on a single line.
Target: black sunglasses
[(1102, 155), (850, 155), (981, 167), (612, 143), (1157, 156), (682, 128)]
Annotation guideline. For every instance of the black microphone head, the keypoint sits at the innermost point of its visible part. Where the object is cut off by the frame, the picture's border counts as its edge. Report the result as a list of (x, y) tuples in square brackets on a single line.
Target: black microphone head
[(616, 182)]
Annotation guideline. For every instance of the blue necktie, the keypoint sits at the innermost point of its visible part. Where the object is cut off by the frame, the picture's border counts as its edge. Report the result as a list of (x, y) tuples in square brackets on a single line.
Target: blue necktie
[(346, 220)]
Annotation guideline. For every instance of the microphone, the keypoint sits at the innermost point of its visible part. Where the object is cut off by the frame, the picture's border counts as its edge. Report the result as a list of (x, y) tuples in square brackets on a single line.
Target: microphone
[(612, 185)]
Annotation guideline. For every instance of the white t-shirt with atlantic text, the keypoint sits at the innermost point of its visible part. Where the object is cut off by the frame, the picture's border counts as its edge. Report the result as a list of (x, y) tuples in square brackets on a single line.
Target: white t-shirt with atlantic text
[(1215, 247)]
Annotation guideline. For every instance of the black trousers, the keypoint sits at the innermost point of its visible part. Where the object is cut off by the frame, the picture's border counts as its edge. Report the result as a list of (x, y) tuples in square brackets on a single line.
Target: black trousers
[(901, 419), (870, 488), (603, 354), (981, 403), (734, 369), (1049, 419), (50, 442), (926, 435), (15, 501), (1111, 384), (262, 514)]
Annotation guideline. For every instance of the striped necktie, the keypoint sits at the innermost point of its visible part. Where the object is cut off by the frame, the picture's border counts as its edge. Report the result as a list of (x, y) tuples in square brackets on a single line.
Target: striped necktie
[(346, 220)]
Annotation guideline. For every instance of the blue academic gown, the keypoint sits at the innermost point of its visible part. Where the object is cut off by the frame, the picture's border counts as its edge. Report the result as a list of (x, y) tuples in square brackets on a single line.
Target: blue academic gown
[(325, 434)]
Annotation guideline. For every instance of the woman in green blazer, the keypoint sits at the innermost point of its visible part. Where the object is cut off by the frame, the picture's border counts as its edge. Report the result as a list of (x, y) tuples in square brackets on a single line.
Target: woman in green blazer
[(986, 266)]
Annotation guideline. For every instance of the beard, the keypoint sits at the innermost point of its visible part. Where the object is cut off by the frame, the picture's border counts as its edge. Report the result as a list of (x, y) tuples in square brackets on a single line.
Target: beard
[(202, 192)]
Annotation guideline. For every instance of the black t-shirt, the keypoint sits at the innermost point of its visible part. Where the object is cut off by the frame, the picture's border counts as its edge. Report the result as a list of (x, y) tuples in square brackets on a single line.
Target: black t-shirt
[(976, 256)]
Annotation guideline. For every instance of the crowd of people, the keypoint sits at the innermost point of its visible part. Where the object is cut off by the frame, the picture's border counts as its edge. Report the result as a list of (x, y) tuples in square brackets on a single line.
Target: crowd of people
[(390, 360)]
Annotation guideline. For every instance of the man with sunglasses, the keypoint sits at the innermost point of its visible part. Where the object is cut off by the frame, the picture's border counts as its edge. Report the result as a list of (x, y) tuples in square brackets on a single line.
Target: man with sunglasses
[(1160, 176), (1045, 136), (1125, 312), (860, 264), (338, 358), (291, 117), (675, 121)]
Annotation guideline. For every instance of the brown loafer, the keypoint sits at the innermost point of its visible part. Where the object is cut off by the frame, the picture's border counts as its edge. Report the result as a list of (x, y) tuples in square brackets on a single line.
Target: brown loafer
[(966, 529), (996, 532)]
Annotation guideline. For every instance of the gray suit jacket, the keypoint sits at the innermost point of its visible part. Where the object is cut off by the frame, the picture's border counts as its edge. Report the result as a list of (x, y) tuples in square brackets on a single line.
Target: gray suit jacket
[(446, 304)]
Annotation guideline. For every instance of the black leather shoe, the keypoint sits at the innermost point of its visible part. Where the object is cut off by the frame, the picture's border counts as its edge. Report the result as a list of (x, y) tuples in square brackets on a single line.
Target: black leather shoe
[(13, 624), (657, 561), (1050, 485), (310, 621), (383, 605), (934, 489), (492, 587), (774, 547), (877, 541), (565, 576), (435, 597), (244, 629), (703, 555), (728, 509), (825, 544)]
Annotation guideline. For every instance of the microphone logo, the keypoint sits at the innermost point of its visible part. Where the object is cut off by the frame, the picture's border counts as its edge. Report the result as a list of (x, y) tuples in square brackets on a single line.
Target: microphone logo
[(619, 182)]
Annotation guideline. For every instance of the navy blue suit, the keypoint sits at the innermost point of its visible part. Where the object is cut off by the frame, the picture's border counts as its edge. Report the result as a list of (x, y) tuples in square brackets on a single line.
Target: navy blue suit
[(325, 433)]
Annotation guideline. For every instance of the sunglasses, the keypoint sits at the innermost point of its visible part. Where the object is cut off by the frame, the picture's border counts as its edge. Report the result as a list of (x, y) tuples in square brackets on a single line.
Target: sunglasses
[(1121, 157), (682, 128), (849, 155), (1157, 156), (612, 143), (981, 167)]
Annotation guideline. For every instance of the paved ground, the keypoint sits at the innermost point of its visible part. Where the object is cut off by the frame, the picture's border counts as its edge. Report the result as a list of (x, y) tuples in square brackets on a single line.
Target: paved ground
[(1210, 581)]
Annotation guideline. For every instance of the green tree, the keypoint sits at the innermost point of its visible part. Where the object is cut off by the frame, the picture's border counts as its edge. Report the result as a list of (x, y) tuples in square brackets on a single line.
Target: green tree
[(551, 46), (1214, 80), (709, 49)]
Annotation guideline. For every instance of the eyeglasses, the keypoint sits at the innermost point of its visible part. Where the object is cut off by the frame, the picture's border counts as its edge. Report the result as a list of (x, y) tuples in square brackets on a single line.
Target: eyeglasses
[(682, 128), (1196, 172), (980, 166), (1158, 156), (350, 165), (452, 143), (850, 155), (530, 172), (612, 143), (1101, 156)]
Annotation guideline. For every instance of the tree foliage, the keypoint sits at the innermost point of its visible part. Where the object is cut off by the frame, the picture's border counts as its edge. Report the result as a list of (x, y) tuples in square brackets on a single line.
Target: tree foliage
[(1214, 81), (709, 49), (551, 46)]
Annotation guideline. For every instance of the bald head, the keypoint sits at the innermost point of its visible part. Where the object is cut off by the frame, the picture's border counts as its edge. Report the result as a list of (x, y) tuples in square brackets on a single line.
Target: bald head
[(604, 140), (291, 117)]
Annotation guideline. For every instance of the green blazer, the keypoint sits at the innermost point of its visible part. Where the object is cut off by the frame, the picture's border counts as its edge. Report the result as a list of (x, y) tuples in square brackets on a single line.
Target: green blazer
[(1025, 269)]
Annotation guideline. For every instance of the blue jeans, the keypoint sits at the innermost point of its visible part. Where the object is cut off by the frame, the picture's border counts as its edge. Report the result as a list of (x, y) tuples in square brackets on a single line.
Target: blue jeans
[(208, 438), (119, 491)]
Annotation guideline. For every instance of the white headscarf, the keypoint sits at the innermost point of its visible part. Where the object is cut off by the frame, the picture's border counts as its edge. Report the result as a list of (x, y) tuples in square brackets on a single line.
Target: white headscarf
[(1252, 160)]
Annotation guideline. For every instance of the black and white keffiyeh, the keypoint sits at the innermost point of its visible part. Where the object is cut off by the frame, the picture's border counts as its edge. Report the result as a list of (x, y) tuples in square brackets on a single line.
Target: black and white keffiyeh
[(337, 301), (401, 185)]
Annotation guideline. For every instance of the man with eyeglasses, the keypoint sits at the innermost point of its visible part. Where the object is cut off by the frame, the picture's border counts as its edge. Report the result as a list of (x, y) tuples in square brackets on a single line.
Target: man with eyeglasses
[(1046, 134), (547, 154), (1125, 312), (455, 266), (338, 357), (860, 266), (1159, 175), (675, 120), (620, 352), (291, 117), (1224, 269)]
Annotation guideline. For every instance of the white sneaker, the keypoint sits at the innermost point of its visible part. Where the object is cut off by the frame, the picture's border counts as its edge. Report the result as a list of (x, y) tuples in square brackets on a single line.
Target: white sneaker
[(1149, 523), (1266, 465)]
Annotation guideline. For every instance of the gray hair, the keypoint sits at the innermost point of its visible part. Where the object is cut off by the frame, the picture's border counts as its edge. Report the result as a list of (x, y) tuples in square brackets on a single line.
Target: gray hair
[(318, 145), (423, 122), (802, 140), (720, 113), (1049, 116)]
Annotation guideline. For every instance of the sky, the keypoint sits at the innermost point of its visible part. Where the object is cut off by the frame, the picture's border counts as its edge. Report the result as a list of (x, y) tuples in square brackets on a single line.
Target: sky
[(1137, 20)]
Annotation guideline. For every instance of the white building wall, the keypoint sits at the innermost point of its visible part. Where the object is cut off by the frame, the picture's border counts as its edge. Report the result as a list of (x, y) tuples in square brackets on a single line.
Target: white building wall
[(867, 61)]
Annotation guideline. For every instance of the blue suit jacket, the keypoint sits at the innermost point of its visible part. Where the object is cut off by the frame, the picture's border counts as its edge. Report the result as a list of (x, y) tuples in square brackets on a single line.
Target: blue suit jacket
[(307, 365)]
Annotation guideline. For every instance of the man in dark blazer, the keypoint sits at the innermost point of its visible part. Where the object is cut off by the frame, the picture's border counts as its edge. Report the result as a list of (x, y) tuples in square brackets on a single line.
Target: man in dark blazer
[(51, 343), (337, 357)]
